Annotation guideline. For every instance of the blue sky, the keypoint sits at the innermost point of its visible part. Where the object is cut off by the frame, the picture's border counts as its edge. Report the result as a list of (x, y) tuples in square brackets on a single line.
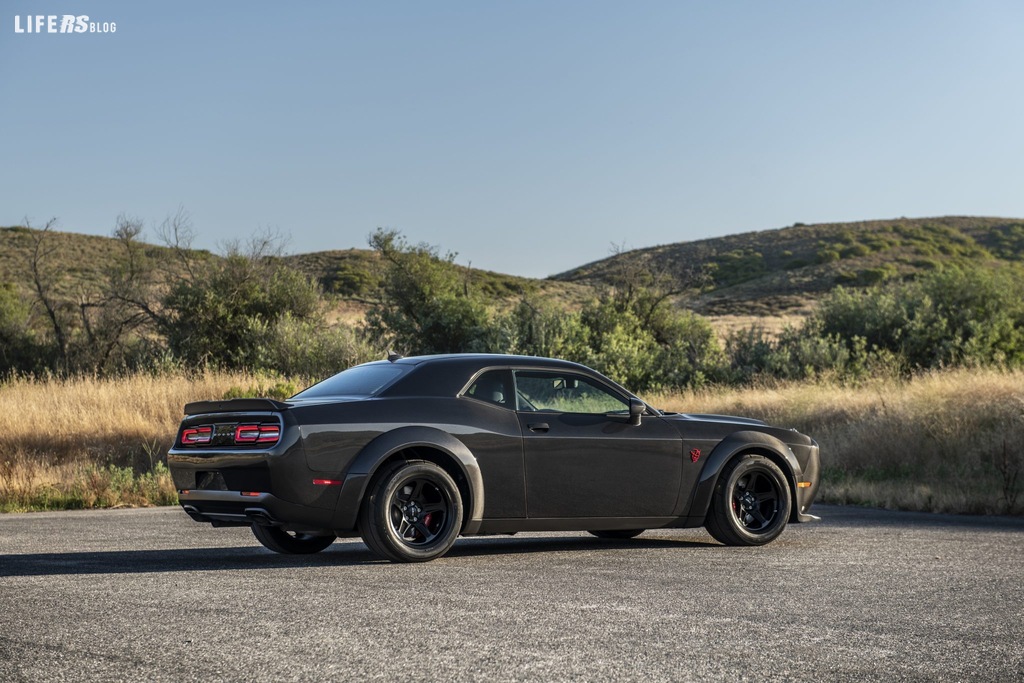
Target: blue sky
[(527, 136)]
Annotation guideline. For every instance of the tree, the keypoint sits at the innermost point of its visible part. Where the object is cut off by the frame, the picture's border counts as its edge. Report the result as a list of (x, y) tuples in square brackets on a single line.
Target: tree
[(44, 279), (18, 350), (427, 305), (631, 331), (224, 313)]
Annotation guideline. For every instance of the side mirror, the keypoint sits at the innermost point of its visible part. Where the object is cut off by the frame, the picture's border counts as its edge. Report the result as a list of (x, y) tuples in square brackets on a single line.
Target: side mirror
[(636, 409)]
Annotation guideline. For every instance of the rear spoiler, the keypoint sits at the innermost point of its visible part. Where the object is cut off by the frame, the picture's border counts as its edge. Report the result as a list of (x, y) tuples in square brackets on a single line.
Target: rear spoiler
[(235, 405)]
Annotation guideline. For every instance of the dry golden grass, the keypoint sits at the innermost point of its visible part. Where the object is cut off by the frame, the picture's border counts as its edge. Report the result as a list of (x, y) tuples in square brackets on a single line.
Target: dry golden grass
[(87, 442), (945, 442), (101, 420)]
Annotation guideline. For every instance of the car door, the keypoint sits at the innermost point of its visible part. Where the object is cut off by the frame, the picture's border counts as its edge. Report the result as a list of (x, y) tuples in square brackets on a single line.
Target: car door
[(582, 456)]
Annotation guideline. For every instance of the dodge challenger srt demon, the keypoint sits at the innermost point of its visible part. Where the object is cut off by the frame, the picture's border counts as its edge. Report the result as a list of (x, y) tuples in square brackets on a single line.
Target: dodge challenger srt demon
[(409, 453)]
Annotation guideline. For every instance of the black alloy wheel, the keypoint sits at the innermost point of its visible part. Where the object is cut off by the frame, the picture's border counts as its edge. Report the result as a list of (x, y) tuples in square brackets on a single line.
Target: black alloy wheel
[(751, 503), (290, 542), (413, 513)]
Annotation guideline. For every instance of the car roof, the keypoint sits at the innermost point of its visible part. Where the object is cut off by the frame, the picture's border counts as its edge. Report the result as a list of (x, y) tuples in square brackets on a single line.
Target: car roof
[(446, 374), (486, 359)]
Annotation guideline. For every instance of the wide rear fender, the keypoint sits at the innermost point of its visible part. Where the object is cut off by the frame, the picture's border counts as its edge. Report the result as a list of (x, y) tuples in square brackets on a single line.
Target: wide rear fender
[(377, 452)]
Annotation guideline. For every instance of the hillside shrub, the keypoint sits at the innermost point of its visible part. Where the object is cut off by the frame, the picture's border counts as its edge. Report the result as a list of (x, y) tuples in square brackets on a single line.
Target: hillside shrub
[(427, 307), (676, 349), (737, 266), (799, 354), (309, 348), (948, 318), (19, 351), (226, 315), (855, 250), (874, 276), (827, 255)]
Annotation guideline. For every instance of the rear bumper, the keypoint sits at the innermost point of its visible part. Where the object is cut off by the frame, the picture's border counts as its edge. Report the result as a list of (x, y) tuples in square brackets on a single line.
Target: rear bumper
[(232, 508), (236, 487)]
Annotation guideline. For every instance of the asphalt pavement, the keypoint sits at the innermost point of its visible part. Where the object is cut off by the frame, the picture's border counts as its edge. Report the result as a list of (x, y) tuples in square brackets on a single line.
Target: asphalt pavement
[(862, 595)]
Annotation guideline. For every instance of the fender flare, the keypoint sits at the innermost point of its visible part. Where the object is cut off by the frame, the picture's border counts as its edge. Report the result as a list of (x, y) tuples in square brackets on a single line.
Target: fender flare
[(375, 453), (731, 446)]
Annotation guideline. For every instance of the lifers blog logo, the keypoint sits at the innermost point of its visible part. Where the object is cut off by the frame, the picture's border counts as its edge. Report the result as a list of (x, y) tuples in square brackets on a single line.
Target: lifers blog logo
[(61, 23)]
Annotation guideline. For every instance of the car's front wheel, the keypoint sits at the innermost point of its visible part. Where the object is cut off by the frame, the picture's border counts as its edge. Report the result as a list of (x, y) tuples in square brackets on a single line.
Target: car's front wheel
[(413, 512), (751, 503), (288, 542)]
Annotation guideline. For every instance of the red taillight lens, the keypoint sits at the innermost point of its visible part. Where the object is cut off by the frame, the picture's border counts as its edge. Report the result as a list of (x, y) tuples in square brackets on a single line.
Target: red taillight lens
[(253, 433), (193, 436), (269, 434), (247, 433)]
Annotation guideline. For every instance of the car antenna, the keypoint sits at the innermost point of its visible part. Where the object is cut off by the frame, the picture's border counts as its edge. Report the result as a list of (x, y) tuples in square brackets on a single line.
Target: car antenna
[(393, 356)]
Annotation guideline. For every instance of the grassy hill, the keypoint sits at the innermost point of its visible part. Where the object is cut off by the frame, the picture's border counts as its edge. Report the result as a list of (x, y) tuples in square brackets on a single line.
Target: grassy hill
[(79, 263), (764, 274), (772, 272), (354, 276)]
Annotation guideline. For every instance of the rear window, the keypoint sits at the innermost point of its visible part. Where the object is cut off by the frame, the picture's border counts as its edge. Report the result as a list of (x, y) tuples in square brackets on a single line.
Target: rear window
[(362, 380)]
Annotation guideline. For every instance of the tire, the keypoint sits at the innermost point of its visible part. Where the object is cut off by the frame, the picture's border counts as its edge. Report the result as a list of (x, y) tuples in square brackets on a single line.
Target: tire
[(413, 513), (751, 503), (617, 534), (290, 543)]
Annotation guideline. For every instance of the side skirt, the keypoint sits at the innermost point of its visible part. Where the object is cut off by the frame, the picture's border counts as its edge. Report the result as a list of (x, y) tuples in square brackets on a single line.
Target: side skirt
[(505, 526)]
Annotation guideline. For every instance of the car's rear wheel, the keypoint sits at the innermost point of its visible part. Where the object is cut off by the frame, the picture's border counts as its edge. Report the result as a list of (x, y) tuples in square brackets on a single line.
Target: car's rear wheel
[(616, 533), (412, 514), (751, 503), (290, 542)]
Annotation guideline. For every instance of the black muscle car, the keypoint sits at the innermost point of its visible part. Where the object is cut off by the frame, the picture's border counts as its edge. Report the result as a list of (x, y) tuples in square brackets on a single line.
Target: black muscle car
[(409, 453)]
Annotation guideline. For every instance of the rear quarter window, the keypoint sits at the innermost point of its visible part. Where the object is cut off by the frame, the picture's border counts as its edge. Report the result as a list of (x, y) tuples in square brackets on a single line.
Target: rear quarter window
[(362, 380)]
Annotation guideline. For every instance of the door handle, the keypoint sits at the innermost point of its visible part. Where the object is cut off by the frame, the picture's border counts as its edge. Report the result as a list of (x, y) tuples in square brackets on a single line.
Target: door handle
[(538, 427)]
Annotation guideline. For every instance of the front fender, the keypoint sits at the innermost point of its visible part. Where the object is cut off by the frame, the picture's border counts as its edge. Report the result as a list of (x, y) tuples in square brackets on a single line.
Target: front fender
[(730, 447), (375, 453)]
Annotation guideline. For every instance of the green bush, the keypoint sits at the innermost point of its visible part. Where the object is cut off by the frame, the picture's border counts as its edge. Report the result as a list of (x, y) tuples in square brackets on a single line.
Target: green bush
[(737, 266), (875, 276), (947, 318), (855, 250), (827, 255), (427, 307), (309, 348), (646, 344), (18, 349), (352, 280), (544, 330), (226, 315), (797, 354)]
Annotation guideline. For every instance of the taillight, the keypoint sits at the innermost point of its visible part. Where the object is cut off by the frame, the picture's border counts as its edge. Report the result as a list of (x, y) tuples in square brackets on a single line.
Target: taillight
[(257, 433), (193, 436)]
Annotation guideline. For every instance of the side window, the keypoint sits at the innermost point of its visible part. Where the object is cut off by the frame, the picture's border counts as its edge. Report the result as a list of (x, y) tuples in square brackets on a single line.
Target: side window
[(494, 386), (565, 393)]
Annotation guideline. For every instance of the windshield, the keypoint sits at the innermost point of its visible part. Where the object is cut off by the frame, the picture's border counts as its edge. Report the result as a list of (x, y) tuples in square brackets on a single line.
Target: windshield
[(362, 380)]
